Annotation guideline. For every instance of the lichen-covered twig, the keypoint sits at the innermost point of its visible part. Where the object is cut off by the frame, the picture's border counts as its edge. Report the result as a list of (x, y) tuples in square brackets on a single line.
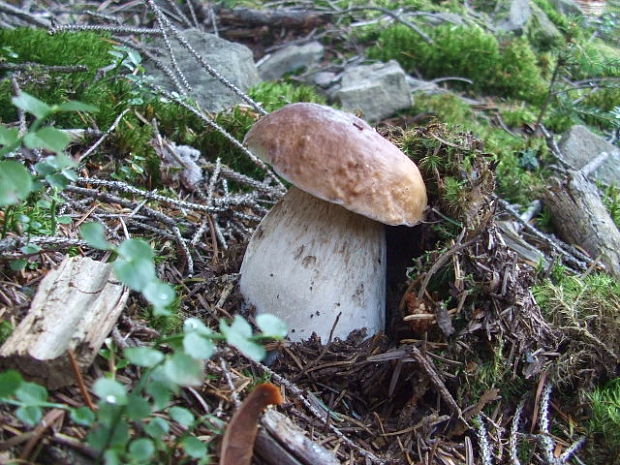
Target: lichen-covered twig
[(574, 257), (110, 130)]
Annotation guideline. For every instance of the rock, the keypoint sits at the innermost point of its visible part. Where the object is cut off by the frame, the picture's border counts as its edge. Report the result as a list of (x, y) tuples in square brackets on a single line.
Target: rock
[(542, 28), (516, 16), (567, 7), (378, 90), (580, 146), (233, 61), (289, 59), (323, 79)]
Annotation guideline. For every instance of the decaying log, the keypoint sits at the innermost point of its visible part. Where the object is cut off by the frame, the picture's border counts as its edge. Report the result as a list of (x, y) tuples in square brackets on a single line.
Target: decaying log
[(75, 307), (284, 443), (580, 218)]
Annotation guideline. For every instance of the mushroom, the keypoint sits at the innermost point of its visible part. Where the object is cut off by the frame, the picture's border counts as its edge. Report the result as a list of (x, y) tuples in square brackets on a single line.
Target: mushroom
[(317, 260)]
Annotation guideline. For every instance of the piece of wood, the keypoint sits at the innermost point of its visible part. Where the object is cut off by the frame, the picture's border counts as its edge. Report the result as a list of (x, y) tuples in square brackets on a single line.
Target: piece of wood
[(580, 218), (75, 307), (295, 441)]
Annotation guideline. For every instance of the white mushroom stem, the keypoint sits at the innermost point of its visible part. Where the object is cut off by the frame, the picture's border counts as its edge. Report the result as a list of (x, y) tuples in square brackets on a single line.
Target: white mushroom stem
[(309, 261)]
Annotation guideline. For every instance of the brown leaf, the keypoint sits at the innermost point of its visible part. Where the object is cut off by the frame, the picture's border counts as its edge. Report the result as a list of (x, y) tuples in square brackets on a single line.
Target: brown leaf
[(241, 432)]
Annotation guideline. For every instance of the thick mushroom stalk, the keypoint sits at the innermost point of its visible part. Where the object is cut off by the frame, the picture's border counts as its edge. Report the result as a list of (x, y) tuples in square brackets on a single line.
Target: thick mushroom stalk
[(310, 261)]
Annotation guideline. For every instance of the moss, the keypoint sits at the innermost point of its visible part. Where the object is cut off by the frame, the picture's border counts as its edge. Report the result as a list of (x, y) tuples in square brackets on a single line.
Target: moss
[(604, 423), (571, 27), (508, 69), (64, 49), (516, 115), (517, 178), (611, 199)]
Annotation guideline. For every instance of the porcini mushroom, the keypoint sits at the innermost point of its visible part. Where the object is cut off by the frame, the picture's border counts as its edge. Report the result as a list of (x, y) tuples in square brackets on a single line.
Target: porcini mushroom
[(320, 252)]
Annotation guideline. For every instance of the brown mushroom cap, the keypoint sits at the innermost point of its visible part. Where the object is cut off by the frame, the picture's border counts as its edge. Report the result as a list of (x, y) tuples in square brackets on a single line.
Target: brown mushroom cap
[(338, 157)]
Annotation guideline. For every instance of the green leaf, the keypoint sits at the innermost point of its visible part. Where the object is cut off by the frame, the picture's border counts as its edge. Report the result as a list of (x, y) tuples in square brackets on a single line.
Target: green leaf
[(159, 294), (157, 428), (138, 407), (194, 447), (182, 416), (136, 274), (198, 346), (29, 414), (110, 391), (184, 370), (271, 326), (47, 138), (9, 382), (239, 326), (57, 181), (8, 136), (94, 235), (15, 182), (161, 393), (196, 325), (30, 249), (238, 335), (141, 449), (136, 249), (31, 105), (143, 356), (18, 265), (82, 416), (31, 393), (64, 219), (73, 105), (112, 457), (135, 265)]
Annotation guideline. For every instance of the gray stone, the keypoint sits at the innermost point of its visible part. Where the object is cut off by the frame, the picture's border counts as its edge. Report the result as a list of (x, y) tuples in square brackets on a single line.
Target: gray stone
[(580, 146), (542, 28), (233, 61), (377, 90), (515, 16), (323, 79), (289, 59)]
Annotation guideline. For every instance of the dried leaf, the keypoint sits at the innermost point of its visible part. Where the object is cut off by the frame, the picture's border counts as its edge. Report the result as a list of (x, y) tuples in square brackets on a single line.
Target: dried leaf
[(238, 442)]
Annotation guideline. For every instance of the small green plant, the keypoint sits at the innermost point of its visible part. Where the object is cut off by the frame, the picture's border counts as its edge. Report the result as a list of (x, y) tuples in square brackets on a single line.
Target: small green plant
[(134, 266), (16, 183), (133, 425)]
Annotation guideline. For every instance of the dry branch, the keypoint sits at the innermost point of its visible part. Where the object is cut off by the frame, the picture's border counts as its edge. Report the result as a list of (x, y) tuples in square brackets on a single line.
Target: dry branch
[(581, 218), (75, 308)]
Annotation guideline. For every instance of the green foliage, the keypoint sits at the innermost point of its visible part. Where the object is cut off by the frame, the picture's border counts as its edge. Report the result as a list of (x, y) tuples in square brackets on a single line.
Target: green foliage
[(134, 266), (133, 424), (605, 419), (465, 51), (16, 182)]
